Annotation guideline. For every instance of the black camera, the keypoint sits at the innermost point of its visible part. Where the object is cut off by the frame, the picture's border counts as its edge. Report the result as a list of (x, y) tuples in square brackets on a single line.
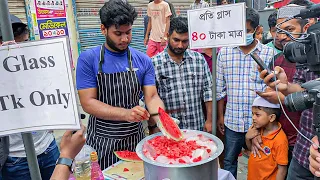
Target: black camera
[(300, 101), (307, 51)]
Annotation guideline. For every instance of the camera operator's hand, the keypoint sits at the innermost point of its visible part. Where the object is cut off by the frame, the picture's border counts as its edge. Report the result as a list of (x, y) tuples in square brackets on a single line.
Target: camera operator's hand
[(271, 96), (281, 82), (314, 158)]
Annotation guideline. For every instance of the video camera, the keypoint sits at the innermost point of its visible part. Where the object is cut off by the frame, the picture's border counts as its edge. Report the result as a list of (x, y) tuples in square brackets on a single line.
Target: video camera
[(300, 101), (306, 51)]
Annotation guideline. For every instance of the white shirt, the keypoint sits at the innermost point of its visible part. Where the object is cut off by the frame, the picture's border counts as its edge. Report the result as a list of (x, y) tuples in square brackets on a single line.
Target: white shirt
[(201, 4), (41, 140)]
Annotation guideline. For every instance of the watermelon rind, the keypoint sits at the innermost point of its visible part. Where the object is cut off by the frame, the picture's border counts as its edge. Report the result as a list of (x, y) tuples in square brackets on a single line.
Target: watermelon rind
[(128, 156), (165, 131)]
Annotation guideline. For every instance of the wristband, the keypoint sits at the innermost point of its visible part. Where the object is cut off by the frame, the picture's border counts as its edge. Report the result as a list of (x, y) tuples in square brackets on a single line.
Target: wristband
[(65, 161), (152, 127)]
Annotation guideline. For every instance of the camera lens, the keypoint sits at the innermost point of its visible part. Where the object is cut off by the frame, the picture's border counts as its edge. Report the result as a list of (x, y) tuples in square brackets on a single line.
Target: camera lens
[(298, 101), (295, 52)]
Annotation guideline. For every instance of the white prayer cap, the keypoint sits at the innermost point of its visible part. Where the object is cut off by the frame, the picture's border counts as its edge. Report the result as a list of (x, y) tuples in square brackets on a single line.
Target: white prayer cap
[(261, 102), (289, 11)]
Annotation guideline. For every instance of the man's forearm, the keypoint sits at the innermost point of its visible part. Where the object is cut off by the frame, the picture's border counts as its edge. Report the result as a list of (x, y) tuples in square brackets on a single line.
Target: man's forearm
[(292, 88), (209, 110), (220, 108), (153, 103), (148, 29), (61, 172), (104, 111), (167, 27)]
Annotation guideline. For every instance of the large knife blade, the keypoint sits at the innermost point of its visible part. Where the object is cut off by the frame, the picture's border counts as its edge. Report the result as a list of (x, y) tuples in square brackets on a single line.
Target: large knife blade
[(169, 111)]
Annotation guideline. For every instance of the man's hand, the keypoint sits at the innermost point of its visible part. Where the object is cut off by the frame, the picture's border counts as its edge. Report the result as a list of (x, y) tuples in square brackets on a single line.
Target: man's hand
[(137, 114), (71, 144), (252, 133), (281, 82), (163, 42), (271, 95), (220, 125), (314, 157), (145, 42), (208, 126), (256, 146)]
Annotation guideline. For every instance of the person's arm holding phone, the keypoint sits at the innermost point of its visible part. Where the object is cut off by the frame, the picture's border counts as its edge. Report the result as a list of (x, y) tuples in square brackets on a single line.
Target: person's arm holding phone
[(70, 146), (282, 81), (272, 96)]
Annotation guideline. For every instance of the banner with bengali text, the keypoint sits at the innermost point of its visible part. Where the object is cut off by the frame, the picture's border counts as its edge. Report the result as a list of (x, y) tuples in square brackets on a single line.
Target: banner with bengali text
[(50, 9), (49, 28)]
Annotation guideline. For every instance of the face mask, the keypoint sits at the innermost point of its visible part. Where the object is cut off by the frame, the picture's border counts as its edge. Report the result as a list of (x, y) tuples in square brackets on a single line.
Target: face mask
[(250, 37)]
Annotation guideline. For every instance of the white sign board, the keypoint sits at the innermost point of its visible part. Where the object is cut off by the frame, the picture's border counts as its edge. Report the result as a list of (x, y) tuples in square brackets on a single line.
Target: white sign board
[(36, 87), (217, 26)]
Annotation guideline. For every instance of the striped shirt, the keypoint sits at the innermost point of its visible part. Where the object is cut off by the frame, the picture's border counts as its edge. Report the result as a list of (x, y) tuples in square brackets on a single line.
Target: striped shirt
[(237, 73), (302, 146), (184, 86)]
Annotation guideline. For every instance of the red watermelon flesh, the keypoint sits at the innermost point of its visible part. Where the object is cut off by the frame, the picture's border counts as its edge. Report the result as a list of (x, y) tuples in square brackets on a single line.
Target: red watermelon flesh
[(169, 126), (128, 156)]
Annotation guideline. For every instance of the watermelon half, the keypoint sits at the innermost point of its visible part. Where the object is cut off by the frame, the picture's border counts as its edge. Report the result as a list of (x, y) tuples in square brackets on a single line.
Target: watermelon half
[(169, 126), (128, 156)]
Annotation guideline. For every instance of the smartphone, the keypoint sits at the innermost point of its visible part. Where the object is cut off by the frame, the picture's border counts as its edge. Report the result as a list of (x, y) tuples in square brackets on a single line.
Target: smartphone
[(255, 91), (262, 65)]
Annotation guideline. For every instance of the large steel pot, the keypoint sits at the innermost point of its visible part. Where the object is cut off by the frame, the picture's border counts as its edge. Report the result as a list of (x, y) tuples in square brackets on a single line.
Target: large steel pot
[(203, 170)]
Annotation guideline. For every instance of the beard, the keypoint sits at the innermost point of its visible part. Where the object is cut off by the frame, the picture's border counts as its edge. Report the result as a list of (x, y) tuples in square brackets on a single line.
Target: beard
[(113, 46), (176, 51)]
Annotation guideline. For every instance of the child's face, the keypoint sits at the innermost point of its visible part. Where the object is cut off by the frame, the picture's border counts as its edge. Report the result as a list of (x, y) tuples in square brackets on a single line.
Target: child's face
[(260, 118)]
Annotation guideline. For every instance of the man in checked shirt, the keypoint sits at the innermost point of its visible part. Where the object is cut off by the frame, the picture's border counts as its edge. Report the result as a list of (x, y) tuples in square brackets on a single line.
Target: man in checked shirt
[(184, 80), (238, 78)]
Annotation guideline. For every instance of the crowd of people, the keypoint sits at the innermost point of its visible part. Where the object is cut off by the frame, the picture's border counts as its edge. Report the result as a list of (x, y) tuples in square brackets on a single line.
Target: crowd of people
[(113, 78)]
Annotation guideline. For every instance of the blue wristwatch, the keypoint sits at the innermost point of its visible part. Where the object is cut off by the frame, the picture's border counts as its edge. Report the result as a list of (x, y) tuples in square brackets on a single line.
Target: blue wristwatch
[(65, 161)]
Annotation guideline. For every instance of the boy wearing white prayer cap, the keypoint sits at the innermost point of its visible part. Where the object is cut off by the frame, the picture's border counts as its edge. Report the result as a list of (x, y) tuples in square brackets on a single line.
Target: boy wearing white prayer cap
[(274, 159)]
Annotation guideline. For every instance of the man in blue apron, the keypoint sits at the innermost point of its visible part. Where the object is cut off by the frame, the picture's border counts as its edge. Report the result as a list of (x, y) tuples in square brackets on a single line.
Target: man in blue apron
[(110, 80)]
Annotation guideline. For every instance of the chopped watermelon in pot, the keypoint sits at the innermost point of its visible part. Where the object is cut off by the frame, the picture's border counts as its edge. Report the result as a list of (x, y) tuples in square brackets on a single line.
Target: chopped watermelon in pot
[(128, 156), (169, 126), (197, 159)]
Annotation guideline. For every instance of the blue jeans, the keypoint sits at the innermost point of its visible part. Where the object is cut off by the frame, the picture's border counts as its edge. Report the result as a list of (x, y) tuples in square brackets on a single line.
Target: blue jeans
[(234, 142), (298, 172), (17, 167)]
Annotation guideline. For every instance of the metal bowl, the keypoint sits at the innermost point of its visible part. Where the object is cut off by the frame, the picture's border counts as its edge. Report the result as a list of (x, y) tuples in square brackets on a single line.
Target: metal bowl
[(204, 170)]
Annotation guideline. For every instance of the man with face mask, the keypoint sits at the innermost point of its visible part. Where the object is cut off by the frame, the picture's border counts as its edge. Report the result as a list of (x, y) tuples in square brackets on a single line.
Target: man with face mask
[(238, 78), (110, 79), (184, 80)]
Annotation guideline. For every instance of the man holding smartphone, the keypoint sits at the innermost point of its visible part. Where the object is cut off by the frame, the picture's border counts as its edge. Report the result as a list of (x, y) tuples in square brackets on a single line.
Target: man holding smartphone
[(299, 166), (289, 68), (236, 74)]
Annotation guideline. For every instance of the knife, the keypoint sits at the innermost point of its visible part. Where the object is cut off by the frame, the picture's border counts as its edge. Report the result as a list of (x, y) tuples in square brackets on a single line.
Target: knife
[(169, 111)]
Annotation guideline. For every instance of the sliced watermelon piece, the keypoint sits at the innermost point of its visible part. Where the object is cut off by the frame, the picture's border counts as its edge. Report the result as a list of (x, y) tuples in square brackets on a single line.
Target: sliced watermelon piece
[(125, 169), (128, 156), (169, 126)]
